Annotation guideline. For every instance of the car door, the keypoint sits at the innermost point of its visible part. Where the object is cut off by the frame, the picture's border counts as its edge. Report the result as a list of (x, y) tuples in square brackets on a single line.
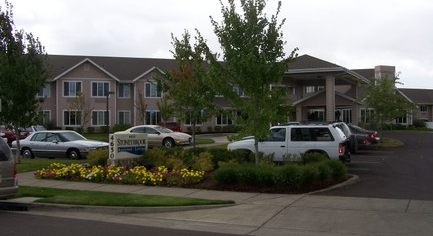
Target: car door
[(154, 137), (275, 143), (54, 145), (301, 140), (38, 145)]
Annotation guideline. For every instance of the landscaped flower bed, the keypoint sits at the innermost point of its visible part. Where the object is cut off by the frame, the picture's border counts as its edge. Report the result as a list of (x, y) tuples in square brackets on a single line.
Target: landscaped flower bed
[(116, 174)]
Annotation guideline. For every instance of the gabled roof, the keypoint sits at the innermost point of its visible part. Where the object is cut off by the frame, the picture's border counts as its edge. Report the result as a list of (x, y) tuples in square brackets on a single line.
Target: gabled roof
[(418, 96), (308, 64), (123, 69)]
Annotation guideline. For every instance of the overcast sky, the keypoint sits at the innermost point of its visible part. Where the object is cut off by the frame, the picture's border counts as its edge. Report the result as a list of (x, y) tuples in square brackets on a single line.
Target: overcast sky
[(355, 34)]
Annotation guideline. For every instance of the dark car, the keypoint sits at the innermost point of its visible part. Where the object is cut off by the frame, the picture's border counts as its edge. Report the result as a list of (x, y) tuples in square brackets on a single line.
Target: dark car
[(371, 135), (24, 132), (356, 140), (7, 133), (176, 127)]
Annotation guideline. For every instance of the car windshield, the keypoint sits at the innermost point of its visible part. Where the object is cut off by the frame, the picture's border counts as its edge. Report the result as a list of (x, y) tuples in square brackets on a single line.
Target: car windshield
[(163, 129), (71, 136)]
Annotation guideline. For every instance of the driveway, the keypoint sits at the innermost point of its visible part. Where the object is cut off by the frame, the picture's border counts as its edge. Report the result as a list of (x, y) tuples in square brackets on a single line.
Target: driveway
[(399, 173)]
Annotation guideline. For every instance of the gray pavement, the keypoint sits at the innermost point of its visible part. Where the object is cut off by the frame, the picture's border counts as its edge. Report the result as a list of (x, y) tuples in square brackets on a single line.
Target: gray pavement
[(252, 213)]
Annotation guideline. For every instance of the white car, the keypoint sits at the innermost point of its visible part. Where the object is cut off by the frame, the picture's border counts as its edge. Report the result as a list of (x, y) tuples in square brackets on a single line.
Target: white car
[(161, 136), (288, 142)]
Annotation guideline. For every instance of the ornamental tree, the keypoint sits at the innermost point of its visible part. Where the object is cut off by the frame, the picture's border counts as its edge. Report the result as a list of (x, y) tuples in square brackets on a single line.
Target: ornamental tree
[(186, 86), (254, 61)]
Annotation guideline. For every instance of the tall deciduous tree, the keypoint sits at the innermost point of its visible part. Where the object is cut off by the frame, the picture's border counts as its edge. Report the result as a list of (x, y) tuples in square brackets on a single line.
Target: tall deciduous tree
[(186, 85), (141, 106), (23, 72), (254, 60), (387, 102)]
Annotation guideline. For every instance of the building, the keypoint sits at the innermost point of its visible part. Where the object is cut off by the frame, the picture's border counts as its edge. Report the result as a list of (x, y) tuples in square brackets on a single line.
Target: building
[(315, 88)]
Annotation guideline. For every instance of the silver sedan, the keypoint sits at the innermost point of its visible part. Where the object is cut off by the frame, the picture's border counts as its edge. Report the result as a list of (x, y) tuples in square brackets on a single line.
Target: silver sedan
[(57, 143), (161, 136)]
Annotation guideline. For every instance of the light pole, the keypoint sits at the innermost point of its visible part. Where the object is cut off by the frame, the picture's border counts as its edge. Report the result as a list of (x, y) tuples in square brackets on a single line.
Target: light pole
[(107, 117)]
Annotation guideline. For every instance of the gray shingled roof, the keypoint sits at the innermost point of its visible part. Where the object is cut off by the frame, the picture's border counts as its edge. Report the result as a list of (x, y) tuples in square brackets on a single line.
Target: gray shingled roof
[(308, 62), (123, 68), (419, 96)]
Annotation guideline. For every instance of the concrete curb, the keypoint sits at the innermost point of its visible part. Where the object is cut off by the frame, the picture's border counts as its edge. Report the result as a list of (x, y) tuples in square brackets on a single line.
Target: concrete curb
[(352, 180)]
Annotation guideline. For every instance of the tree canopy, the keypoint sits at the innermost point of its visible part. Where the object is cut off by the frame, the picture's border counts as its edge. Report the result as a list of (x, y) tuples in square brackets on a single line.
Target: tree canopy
[(387, 102), (254, 61), (23, 72), (190, 95)]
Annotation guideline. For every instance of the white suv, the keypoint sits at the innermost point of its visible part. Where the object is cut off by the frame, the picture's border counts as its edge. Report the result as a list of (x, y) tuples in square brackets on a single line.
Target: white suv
[(290, 141)]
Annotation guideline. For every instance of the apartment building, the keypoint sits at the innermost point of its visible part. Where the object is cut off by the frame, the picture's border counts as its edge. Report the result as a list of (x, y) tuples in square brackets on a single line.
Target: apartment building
[(317, 89)]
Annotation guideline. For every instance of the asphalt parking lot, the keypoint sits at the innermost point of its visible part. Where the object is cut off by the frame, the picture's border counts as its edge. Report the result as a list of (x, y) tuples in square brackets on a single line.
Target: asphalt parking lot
[(399, 173)]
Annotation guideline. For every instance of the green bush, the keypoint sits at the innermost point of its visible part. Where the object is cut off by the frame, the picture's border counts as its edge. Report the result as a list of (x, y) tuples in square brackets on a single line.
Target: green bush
[(338, 169), (325, 171), (247, 174), (98, 157), (313, 157), (90, 130), (310, 174), (226, 174), (289, 176), (121, 127), (202, 162)]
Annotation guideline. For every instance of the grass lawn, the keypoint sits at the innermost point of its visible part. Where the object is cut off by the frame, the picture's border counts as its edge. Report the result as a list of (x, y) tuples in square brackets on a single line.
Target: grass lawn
[(96, 198)]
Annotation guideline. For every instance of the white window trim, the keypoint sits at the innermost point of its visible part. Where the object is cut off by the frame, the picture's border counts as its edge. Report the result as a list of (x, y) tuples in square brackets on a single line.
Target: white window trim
[(71, 81), (97, 82)]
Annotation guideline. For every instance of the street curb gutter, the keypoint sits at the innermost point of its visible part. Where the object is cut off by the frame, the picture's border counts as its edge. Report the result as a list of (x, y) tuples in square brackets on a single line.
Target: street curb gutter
[(352, 180)]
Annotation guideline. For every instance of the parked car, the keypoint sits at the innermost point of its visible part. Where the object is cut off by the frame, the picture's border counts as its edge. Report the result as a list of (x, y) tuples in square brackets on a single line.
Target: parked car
[(8, 173), (356, 141), (24, 132), (175, 126), (372, 136), (7, 133), (57, 143), (288, 142), (161, 136)]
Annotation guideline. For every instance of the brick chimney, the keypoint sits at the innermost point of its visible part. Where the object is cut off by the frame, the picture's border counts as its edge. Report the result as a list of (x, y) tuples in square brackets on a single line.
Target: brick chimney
[(384, 72)]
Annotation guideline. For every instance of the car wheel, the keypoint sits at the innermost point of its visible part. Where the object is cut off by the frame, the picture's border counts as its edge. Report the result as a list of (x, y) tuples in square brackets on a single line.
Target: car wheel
[(73, 154), (168, 143), (27, 153)]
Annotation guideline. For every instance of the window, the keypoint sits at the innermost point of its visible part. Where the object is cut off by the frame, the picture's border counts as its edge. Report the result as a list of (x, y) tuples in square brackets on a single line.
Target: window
[(152, 91), (423, 108), (367, 115), (44, 117), (189, 121), (45, 92), (99, 89), (316, 114), (72, 118), (313, 89), (153, 117), (401, 120), (277, 134), (323, 134), (124, 117), (300, 134), (71, 88), (224, 119), (238, 91), (99, 118), (124, 91)]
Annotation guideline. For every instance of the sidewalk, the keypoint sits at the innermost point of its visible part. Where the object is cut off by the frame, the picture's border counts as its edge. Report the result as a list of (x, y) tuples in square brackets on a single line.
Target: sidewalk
[(256, 213)]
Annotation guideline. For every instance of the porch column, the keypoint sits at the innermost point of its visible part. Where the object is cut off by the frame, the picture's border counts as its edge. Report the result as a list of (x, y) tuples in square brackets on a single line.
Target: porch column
[(330, 98), (299, 111)]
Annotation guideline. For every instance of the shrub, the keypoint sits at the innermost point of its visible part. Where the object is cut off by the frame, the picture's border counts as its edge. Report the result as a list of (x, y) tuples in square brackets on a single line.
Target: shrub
[(121, 127), (90, 130), (289, 176), (325, 171), (247, 174), (338, 169), (313, 157), (202, 162), (226, 174), (310, 174), (98, 157), (80, 130), (153, 157)]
